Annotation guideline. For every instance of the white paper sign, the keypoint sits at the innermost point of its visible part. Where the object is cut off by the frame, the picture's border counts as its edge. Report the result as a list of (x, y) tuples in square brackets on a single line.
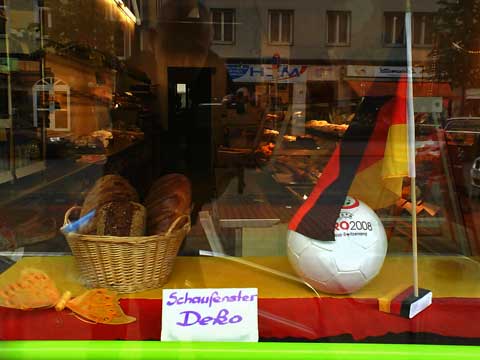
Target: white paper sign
[(210, 315)]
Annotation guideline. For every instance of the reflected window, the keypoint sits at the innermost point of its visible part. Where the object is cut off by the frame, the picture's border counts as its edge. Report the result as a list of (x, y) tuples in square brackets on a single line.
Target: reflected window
[(394, 33), (43, 15), (423, 29), (3, 27), (121, 41), (3, 96), (280, 27), (181, 96), (223, 21), (338, 28)]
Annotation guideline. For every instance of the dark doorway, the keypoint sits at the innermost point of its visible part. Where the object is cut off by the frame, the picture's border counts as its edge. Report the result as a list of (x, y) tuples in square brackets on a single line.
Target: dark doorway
[(189, 120), (189, 136), (321, 97)]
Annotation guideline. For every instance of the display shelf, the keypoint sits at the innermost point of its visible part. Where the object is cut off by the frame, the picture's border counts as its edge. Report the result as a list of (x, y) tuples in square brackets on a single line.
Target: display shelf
[(303, 152), (5, 176), (282, 302), (53, 175), (30, 169)]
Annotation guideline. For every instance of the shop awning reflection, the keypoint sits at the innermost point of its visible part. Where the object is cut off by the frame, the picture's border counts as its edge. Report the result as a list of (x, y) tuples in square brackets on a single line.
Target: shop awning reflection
[(386, 88)]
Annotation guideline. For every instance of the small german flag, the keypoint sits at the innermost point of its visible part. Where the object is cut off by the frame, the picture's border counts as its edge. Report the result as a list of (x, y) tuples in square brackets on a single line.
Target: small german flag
[(405, 304)]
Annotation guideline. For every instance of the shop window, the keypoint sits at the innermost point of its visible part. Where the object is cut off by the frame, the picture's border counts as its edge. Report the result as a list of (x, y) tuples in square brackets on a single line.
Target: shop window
[(159, 6), (394, 32), (223, 21), (338, 28), (3, 29), (121, 41), (3, 21), (43, 15), (108, 11), (423, 29), (141, 9), (3, 96), (280, 27)]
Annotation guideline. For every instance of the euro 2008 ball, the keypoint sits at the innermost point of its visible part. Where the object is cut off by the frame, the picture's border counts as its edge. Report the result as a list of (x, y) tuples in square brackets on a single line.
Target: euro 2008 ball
[(347, 264)]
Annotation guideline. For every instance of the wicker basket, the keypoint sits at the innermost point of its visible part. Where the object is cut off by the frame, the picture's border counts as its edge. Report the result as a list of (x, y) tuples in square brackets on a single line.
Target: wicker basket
[(126, 264)]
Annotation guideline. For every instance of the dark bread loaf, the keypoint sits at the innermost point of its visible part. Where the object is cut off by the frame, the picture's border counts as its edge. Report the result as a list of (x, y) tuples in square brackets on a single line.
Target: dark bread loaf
[(164, 222), (121, 218), (169, 198), (170, 184), (109, 188)]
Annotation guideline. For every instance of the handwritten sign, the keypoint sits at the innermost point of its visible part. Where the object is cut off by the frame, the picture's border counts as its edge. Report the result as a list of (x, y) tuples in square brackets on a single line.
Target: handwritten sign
[(210, 315)]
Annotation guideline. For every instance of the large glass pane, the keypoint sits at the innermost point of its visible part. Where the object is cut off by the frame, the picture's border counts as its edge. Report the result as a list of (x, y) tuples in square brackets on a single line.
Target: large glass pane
[(332, 27), (429, 29), (344, 19), (389, 29), (399, 22), (217, 25), (418, 29), (3, 96), (229, 26), (274, 26), (286, 27), (231, 147)]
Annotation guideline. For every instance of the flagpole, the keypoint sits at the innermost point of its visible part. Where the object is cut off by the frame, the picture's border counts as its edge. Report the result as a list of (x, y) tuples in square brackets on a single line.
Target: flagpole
[(411, 143)]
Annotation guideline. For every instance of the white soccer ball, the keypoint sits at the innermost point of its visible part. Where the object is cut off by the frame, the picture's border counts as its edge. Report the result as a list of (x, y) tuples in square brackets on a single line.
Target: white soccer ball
[(347, 264)]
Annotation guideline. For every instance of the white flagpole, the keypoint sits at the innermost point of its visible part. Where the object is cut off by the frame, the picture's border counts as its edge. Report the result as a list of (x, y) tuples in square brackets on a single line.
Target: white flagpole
[(411, 143)]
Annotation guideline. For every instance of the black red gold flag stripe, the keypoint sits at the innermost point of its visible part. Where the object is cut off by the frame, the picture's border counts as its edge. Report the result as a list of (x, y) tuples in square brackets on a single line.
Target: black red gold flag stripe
[(372, 154)]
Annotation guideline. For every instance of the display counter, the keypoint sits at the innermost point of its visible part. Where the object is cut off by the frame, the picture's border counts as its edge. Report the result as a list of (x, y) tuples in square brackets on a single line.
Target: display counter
[(288, 309), (56, 171)]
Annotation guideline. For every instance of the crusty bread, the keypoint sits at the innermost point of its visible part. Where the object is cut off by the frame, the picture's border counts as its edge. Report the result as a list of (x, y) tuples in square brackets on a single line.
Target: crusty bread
[(169, 198), (170, 184), (109, 188), (121, 218)]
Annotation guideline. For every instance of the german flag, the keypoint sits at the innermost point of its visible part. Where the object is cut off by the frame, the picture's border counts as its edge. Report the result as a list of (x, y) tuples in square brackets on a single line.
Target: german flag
[(369, 164), (405, 303)]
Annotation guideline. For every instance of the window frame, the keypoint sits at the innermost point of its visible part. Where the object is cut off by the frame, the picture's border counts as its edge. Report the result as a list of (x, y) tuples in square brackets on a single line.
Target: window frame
[(222, 11), (4, 17), (43, 12), (384, 32), (422, 44), (281, 12), (337, 28), (127, 43)]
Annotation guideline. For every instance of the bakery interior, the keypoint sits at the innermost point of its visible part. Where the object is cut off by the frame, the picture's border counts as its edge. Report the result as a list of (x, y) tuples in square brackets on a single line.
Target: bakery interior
[(94, 92)]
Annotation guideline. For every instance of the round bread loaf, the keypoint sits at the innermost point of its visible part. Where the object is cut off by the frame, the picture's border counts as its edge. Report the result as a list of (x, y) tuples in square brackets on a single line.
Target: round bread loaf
[(162, 223), (121, 218), (176, 202), (109, 188), (169, 198), (168, 184)]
